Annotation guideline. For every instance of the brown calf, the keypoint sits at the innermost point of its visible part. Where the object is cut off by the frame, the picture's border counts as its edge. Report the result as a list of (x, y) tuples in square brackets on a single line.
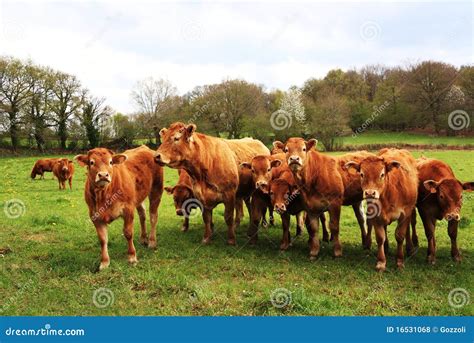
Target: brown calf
[(182, 192), (212, 166), (321, 187), (42, 166), (116, 185), (63, 169), (389, 183), (439, 197)]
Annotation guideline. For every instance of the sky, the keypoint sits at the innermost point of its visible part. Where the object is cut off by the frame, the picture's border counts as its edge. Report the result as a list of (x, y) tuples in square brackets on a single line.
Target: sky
[(110, 45)]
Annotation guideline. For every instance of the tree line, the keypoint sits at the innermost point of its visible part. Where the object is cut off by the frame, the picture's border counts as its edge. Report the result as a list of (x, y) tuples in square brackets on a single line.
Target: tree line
[(38, 102)]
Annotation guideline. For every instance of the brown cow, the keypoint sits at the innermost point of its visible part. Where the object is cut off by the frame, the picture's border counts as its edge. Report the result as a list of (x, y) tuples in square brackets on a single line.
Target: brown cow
[(286, 200), (116, 185), (212, 166), (390, 184), (321, 187), (182, 192), (42, 166), (439, 197), (63, 169)]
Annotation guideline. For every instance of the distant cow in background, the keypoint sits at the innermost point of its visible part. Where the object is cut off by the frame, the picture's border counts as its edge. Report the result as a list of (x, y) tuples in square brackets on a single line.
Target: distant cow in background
[(63, 170), (116, 185), (439, 197), (42, 166)]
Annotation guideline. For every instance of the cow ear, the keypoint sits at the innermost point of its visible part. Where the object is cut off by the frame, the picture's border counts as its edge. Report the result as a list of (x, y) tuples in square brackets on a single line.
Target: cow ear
[(119, 158), (468, 186), (392, 164), (191, 128), (278, 145), (244, 165), (275, 163), (162, 132), (83, 160), (69, 161), (169, 190), (431, 185), (311, 144), (352, 164)]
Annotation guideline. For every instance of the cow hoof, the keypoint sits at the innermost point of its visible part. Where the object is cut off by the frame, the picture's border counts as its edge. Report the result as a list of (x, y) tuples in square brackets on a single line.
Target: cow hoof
[(313, 257), (431, 260), (284, 246), (457, 258), (338, 253), (144, 241), (400, 265), (133, 259), (231, 241), (380, 267), (184, 229), (104, 265), (152, 244), (326, 239), (206, 241)]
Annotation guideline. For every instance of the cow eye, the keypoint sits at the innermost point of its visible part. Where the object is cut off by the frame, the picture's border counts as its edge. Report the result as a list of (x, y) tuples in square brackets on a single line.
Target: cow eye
[(91, 162), (304, 149), (382, 175), (269, 169), (286, 149), (111, 162), (362, 175), (271, 193)]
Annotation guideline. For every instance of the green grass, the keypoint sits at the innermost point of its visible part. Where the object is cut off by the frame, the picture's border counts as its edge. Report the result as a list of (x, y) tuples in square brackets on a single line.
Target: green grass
[(377, 137), (50, 269)]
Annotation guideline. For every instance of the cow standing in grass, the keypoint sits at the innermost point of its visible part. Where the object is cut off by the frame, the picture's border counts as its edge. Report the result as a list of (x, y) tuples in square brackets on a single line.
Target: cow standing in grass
[(439, 197), (42, 166), (182, 194), (320, 185), (116, 185), (63, 169), (390, 185)]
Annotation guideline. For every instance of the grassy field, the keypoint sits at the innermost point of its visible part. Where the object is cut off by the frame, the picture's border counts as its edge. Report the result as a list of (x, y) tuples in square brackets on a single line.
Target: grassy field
[(49, 266)]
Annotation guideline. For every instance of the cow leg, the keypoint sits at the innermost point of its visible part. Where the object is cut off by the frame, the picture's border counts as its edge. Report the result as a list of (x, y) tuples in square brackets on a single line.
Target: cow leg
[(386, 245), (128, 233), (229, 220), (312, 225), (361, 220), (334, 216), (239, 211), (59, 182), (155, 199), (300, 222), (142, 215), (368, 237), (270, 215), (185, 226), (380, 237), (414, 236), (429, 225), (103, 239), (264, 218), (257, 208), (207, 218), (410, 249), (70, 183), (453, 234), (400, 233), (285, 240)]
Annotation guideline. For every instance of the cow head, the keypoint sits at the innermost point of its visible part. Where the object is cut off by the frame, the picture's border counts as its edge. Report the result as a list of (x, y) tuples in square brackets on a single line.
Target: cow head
[(64, 166), (449, 196), (281, 194), (176, 145), (100, 165), (373, 171), (180, 194), (296, 150), (261, 168)]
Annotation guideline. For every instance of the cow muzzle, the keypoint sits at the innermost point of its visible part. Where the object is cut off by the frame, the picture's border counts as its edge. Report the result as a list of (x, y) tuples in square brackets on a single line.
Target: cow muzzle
[(453, 216), (179, 212), (280, 208), (294, 162), (160, 160), (371, 194), (102, 179)]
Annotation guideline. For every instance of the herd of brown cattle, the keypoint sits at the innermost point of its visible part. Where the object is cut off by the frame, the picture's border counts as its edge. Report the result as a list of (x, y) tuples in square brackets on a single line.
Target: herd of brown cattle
[(294, 179)]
